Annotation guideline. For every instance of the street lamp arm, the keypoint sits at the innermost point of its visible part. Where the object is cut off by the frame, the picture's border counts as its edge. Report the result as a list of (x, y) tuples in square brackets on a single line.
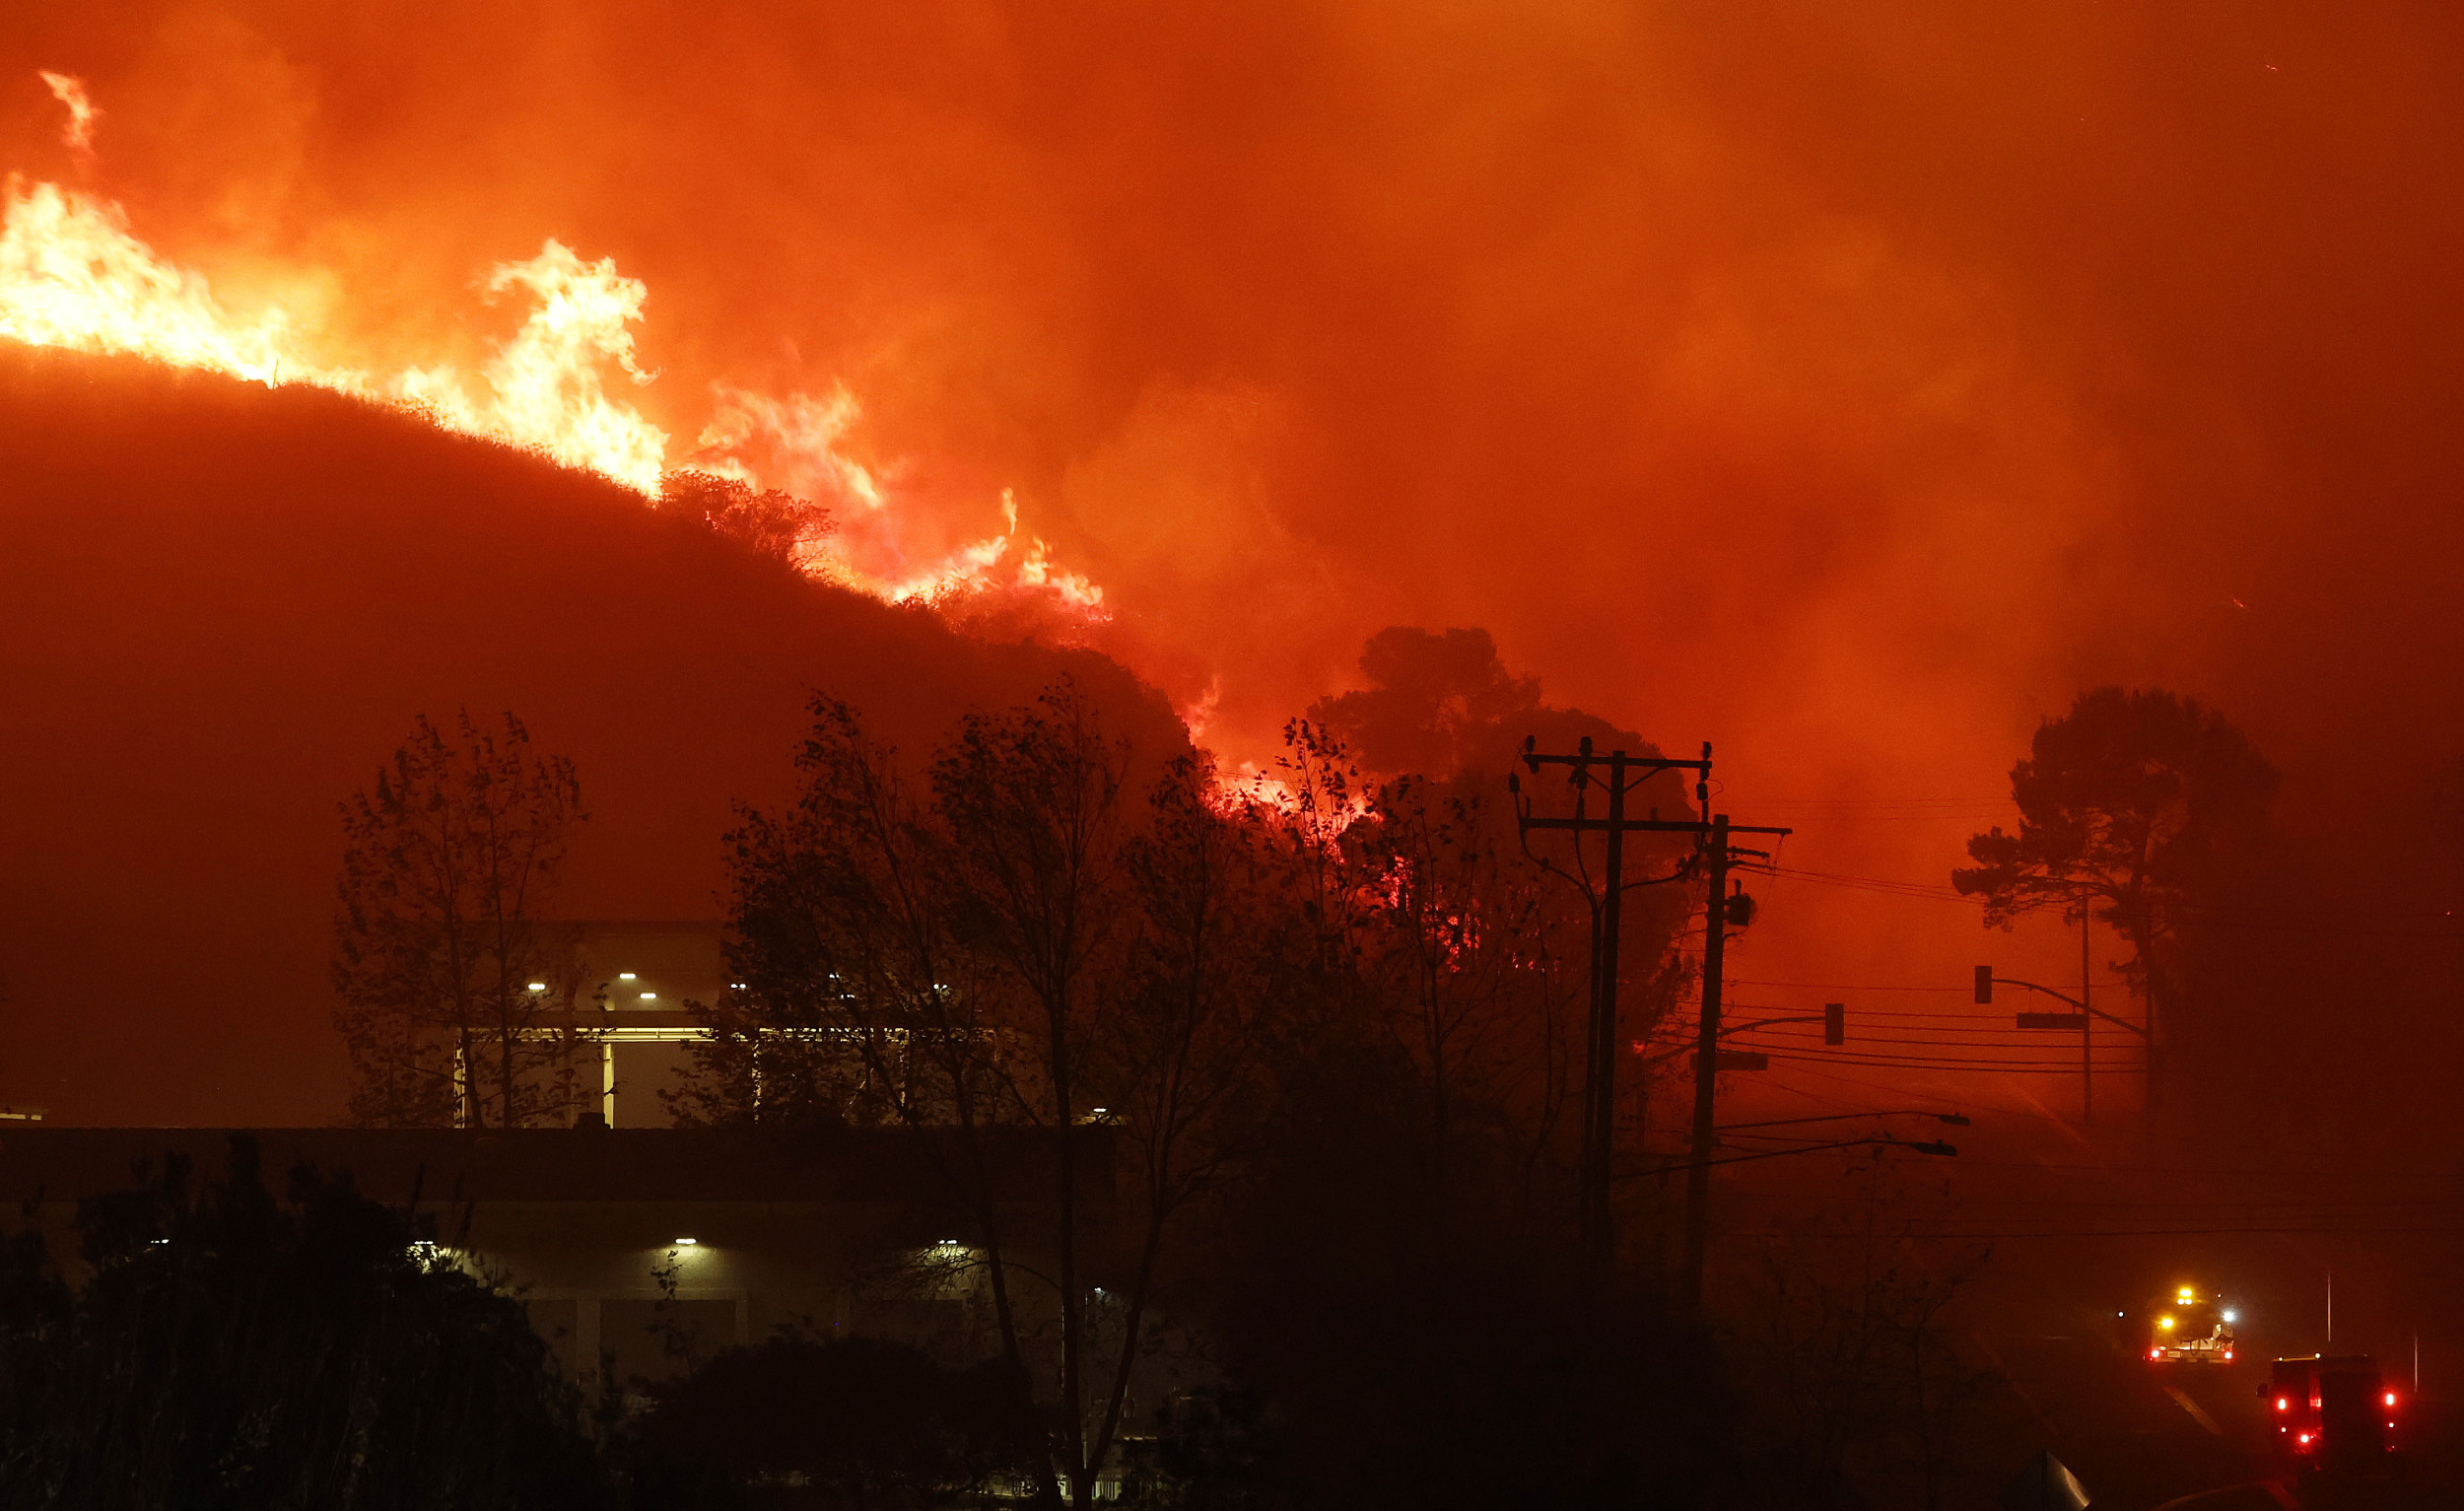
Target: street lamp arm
[(1727, 1029), (1802, 1018), (2064, 997)]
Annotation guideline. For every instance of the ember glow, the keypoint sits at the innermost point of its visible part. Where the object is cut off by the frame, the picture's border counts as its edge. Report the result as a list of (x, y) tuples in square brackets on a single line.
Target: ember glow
[(74, 274)]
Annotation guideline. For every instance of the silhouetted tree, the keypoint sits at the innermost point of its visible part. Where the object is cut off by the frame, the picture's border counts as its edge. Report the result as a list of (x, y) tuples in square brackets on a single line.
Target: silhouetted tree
[(1444, 706), (1436, 926), (1857, 1391), (2133, 804), (1487, 1371), (765, 520), (1435, 703), (457, 1001), (1005, 957), (231, 1350)]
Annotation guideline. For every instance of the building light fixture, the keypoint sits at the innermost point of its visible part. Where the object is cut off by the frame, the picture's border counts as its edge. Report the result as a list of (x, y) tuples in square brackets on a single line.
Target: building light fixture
[(538, 986), (649, 997), (624, 976), (688, 1243)]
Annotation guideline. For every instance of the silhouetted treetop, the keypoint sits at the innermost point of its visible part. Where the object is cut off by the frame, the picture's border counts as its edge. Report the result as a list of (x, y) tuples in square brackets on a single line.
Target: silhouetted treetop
[(2133, 804), (1443, 704), (2126, 792)]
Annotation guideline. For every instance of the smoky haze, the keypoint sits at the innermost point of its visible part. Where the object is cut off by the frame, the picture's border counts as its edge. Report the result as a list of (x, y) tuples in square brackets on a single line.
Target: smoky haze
[(1850, 385), (1799, 360)]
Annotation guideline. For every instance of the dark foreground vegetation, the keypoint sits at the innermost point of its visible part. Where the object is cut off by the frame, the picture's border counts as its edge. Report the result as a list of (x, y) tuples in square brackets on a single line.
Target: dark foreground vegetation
[(1302, 1058), (224, 1347)]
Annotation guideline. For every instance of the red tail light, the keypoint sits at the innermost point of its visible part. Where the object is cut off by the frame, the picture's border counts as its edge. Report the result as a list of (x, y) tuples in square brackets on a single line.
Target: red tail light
[(2391, 1398), (2283, 1404), (2155, 1353)]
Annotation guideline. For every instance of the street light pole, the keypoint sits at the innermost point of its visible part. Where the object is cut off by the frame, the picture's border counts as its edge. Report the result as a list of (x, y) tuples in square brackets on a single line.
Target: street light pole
[(2086, 1075)]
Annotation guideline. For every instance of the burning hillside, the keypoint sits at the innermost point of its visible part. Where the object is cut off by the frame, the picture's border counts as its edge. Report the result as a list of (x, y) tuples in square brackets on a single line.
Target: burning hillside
[(74, 274), (209, 640)]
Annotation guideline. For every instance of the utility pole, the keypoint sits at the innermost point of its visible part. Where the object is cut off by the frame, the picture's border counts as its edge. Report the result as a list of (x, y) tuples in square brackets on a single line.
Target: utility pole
[(1706, 1073), (1595, 1163), (1602, 1138), (1712, 836), (1720, 909)]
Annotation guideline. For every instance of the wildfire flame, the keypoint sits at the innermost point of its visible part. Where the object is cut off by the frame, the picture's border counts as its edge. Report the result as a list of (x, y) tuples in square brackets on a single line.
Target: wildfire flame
[(70, 91), (74, 275)]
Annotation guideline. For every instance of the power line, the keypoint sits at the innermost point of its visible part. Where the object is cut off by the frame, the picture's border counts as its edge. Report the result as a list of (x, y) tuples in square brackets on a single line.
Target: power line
[(2005, 1067), (2013, 1043), (1838, 985)]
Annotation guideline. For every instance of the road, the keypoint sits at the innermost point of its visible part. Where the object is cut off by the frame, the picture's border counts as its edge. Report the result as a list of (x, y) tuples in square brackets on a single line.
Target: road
[(2143, 1436)]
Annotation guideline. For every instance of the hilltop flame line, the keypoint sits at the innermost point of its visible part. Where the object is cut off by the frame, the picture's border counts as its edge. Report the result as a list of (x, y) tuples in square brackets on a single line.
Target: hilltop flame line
[(73, 275)]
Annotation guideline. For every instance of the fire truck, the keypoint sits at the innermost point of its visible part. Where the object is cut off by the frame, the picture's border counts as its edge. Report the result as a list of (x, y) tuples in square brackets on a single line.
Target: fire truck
[(2183, 1326), (2333, 1415)]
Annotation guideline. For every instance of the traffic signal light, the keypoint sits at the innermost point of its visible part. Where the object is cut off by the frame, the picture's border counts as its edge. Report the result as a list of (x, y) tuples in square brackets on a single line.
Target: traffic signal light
[(1834, 1022), (1984, 983)]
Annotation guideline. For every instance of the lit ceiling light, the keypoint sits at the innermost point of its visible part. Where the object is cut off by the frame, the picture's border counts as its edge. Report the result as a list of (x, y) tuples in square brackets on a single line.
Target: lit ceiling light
[(688, 1243), (649, 997), (624, 976), (538, 986)]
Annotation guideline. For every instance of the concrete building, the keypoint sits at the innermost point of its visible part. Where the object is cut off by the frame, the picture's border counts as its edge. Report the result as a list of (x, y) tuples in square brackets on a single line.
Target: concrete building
[(646, 972), (638, 1247)]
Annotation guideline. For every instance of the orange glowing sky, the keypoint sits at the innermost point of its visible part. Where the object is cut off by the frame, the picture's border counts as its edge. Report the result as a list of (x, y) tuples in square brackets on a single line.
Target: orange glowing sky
[(1846, 385)]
